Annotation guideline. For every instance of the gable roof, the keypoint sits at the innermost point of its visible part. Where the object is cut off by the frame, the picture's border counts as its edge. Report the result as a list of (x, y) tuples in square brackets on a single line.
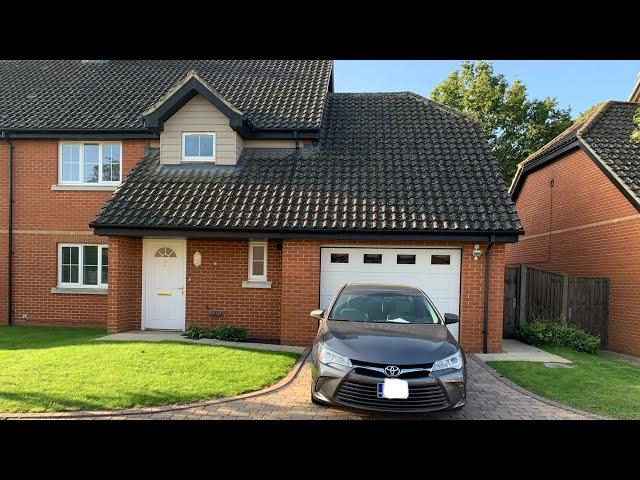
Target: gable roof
[(74, 95), (635, 93), (605, 136), (187, 88), (388, 163)]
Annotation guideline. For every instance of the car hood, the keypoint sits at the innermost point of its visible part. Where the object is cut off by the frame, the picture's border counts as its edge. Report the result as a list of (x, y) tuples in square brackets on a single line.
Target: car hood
[(388, 343)]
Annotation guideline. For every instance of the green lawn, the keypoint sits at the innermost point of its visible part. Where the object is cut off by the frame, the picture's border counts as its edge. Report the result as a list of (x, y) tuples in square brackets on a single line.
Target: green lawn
[(59, 369), (596, 384)]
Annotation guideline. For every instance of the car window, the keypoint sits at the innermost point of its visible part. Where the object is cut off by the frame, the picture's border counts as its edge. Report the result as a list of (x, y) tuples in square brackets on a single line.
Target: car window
[(383, 307)]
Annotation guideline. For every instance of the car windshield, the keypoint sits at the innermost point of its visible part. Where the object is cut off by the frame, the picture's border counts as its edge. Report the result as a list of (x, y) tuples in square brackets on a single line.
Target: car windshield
[(383, 307)]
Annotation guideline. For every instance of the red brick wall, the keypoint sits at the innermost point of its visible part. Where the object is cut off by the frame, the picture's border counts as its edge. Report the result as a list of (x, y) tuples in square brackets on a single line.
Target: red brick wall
[(125, 284), (43, 218), (217, 285), (583, 196), (301, 291)]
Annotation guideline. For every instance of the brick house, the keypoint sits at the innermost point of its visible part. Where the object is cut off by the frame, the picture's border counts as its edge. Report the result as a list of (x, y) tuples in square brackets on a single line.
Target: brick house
[(578, 198), (162, 194)]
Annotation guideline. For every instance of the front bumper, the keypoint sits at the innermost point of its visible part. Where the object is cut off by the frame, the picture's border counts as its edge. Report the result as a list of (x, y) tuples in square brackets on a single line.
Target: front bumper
[(441, 390)]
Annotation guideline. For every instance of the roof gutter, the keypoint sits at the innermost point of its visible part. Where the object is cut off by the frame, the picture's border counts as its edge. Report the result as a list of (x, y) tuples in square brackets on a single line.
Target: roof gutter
[(487, 266), (5, 137)]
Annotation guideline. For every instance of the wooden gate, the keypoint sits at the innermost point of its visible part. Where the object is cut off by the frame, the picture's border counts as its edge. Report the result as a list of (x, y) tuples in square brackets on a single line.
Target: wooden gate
[(530, 294), (510, 301)]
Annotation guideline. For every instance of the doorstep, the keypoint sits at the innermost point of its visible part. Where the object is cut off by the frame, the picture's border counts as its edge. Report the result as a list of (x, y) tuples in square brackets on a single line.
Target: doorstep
[(515, 351), (164, 336)]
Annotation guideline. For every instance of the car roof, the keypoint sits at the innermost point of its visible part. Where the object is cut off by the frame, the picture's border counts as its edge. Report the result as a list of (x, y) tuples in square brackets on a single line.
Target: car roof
[(386, 287)]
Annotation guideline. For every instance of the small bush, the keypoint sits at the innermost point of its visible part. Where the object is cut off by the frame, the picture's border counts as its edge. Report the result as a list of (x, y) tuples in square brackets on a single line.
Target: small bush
[(223, 332), (545, 332)]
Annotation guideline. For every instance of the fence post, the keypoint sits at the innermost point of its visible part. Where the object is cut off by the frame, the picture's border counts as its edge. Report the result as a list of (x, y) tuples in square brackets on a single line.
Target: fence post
[(522, 301), (565, 296)]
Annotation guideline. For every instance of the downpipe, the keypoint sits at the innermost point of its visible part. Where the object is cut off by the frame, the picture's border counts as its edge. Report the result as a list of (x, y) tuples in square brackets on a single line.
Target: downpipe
[(487, 267), (5, 137)]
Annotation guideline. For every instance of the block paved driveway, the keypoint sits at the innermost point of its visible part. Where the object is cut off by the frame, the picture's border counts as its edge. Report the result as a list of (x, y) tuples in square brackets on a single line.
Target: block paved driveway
[(488, 398)]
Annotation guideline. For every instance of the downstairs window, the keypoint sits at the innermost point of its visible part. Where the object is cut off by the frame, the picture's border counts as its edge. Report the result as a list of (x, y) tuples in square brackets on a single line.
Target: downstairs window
[(83, 265)]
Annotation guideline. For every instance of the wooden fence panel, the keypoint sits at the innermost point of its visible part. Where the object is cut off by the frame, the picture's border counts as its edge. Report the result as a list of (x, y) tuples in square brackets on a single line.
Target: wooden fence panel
[(530, 294), (544, 294), (588, 306), (511, 277)]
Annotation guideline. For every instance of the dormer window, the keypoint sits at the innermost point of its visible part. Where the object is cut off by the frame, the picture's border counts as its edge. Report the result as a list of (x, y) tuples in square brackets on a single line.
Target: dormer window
[(198, 147)]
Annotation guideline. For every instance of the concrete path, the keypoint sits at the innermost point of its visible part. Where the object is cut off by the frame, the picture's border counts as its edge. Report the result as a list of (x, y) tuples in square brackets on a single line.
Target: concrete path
[(628, 359), (157, 336), (490, 397), (515, 351)]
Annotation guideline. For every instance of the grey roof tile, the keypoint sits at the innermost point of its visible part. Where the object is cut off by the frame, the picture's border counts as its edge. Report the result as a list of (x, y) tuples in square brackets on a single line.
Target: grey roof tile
[(384, 162), (74, 95)]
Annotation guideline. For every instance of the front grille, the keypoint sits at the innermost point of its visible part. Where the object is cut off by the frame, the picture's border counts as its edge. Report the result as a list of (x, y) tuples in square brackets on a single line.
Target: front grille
[(376, 369), (421, 397)]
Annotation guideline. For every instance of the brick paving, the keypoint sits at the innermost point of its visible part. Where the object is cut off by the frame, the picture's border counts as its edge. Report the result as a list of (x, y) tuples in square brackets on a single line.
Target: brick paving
[(489, 398)]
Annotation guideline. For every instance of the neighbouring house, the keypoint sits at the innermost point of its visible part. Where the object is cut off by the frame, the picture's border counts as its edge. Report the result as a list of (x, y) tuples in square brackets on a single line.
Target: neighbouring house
[(579, 201), (163, 194)]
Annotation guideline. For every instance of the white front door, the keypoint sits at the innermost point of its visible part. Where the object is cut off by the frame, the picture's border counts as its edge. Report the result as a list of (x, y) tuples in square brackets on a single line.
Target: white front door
[(164, 282), (434, 270)]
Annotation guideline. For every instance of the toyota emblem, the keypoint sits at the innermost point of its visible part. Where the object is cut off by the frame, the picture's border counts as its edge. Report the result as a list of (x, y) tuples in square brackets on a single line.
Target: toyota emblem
[(391, 371)]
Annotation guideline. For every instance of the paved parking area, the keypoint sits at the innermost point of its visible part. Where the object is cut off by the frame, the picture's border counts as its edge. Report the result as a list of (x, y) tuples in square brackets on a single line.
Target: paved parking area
[(488, 398)]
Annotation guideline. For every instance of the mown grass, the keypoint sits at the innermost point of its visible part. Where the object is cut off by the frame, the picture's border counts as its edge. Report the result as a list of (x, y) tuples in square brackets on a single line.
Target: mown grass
[(63, 369), (596, 384)]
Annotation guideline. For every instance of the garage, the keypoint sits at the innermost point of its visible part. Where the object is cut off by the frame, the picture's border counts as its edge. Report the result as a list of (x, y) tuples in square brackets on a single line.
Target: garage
[(434, 270)]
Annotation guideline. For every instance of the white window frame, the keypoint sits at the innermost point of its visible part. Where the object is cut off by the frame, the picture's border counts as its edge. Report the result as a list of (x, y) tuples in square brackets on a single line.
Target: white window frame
[(186, 158), (81, 246), (81, 180), (258, 243)]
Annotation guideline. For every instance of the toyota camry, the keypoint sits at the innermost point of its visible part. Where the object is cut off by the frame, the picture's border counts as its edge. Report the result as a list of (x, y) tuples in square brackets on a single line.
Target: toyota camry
[(386, 348)]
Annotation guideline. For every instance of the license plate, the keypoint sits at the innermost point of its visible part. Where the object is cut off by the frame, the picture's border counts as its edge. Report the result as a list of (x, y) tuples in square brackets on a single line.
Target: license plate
[(393, 388)]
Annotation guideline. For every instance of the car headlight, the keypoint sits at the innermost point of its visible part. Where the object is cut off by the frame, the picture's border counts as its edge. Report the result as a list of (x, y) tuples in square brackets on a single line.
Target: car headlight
[(454, 361), (329, 357)]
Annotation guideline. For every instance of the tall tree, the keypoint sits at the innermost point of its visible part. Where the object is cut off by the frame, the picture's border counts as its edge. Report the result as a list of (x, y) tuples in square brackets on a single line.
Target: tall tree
[(635, 135), (515, 125)]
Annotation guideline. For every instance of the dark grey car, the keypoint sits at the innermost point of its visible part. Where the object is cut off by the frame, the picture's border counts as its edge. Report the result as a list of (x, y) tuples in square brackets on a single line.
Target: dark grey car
[(386, 348)]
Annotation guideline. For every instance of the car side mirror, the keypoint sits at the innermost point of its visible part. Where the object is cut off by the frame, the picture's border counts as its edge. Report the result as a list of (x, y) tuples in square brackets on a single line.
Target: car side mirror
[(317, 314), (450, 318)]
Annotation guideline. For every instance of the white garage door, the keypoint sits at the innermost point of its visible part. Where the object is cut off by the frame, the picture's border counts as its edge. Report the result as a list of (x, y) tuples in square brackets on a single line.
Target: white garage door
[(436, 271)]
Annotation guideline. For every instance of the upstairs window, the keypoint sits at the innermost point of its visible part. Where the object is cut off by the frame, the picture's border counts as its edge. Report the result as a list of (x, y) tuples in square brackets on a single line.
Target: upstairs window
[(90, 163), (198, 147)]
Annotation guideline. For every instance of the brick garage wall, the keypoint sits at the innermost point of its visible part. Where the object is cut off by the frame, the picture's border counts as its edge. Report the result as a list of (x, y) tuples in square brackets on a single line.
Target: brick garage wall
[(583, 196), (124, 309), (217, 285), (301, 290), (43, 218)]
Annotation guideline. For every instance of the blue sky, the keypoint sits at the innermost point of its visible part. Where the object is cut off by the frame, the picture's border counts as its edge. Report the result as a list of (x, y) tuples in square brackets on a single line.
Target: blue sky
[(575, 83)]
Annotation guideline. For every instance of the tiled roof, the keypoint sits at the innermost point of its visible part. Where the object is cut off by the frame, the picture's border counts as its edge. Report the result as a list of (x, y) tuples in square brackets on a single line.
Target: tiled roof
[(607, 134), (385, 162), (76, 95)]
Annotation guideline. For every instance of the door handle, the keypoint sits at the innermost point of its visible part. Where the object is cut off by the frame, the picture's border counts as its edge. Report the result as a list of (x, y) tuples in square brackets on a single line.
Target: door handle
[(181, 290)]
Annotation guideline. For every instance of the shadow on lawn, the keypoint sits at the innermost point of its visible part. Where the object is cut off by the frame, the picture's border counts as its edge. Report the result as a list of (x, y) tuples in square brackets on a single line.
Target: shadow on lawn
[(25, 338)]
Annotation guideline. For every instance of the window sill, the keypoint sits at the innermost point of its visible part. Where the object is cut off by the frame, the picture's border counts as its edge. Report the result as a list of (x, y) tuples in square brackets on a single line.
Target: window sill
[(253, 284), (80, 291), (89, 188)]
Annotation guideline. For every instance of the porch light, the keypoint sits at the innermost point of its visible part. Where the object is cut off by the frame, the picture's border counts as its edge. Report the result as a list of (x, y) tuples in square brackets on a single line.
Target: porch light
[(197, 258), (476, 252)]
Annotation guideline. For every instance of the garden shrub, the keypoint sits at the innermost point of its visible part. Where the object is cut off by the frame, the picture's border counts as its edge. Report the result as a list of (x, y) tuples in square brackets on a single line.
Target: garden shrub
[(543, 332), (222, 332)]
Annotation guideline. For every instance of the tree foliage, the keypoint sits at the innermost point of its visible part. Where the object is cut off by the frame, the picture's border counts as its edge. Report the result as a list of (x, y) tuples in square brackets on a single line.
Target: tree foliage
[(635, 135), (515, 125)]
